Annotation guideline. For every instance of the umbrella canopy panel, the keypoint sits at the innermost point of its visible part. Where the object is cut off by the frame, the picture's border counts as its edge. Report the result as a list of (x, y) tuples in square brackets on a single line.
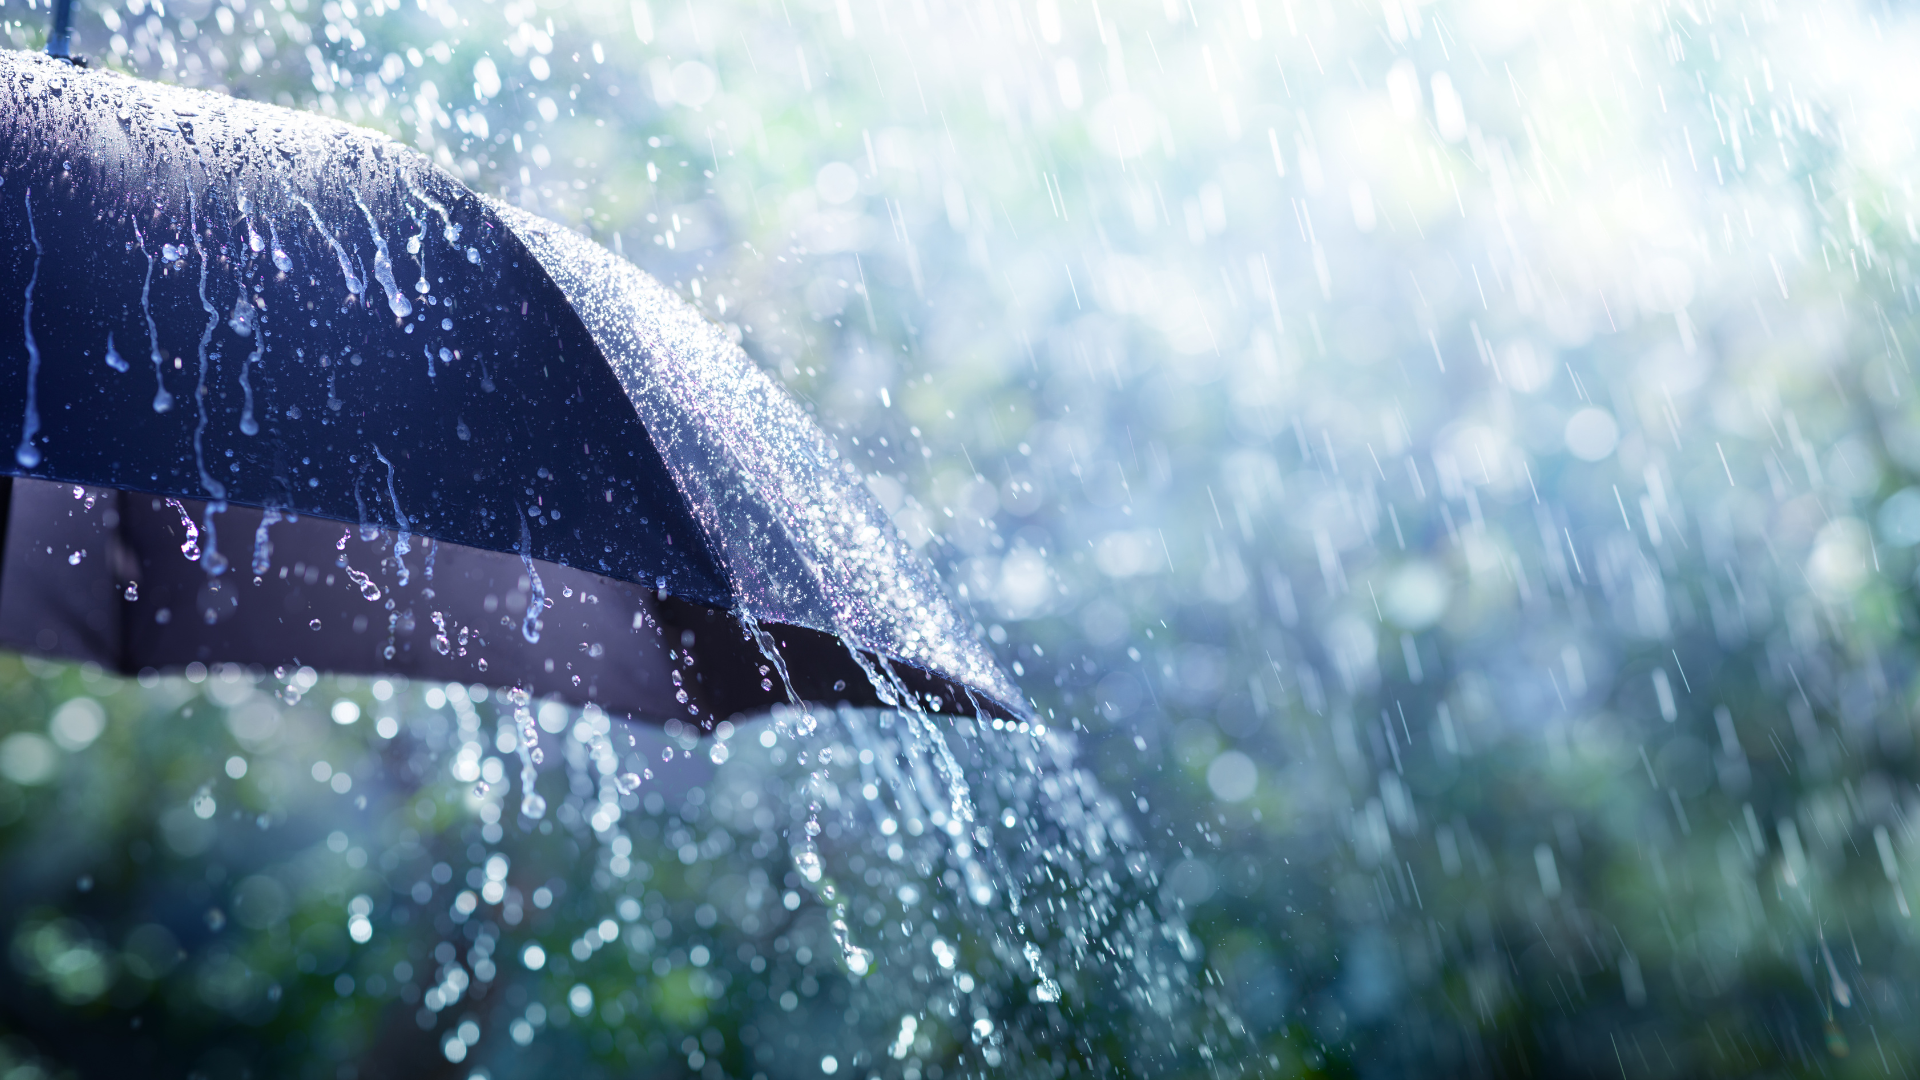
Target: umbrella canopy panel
[(807, 543), (229, 304), (218, 302)]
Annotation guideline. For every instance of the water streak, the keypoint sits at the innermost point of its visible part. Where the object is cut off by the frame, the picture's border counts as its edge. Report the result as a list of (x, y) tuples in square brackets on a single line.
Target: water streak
[(28, 455), (254, 243), (416, 249), (162, 400), (191, 548), (355, 286), (246, 321), (402, 543), (214, 562), (114, 359), (213, 486), (281, 260), (383, 265), (262, 544), (531, 803), (536, 593), (451, 230)]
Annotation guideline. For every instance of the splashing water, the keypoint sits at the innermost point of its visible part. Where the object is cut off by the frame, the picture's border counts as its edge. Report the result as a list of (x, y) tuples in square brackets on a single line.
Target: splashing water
[(416, 249)]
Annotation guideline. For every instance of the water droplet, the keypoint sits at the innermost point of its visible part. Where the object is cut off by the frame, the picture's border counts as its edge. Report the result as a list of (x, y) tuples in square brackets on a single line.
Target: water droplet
[(314, 625), (368, 589), (191, 546), (858, 959), (808, 863), (241, 321), (114, 359)]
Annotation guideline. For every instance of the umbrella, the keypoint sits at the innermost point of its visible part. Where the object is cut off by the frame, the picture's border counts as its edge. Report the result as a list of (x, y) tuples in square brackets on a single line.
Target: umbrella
[(282, 392)]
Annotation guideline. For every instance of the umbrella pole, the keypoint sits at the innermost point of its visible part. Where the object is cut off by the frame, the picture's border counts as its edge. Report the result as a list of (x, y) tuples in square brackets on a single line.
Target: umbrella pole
[(60, 38)]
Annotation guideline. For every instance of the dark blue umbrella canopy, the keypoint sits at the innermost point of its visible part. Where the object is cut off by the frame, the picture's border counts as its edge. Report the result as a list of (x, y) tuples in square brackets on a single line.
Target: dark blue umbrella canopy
[(308, 399)]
